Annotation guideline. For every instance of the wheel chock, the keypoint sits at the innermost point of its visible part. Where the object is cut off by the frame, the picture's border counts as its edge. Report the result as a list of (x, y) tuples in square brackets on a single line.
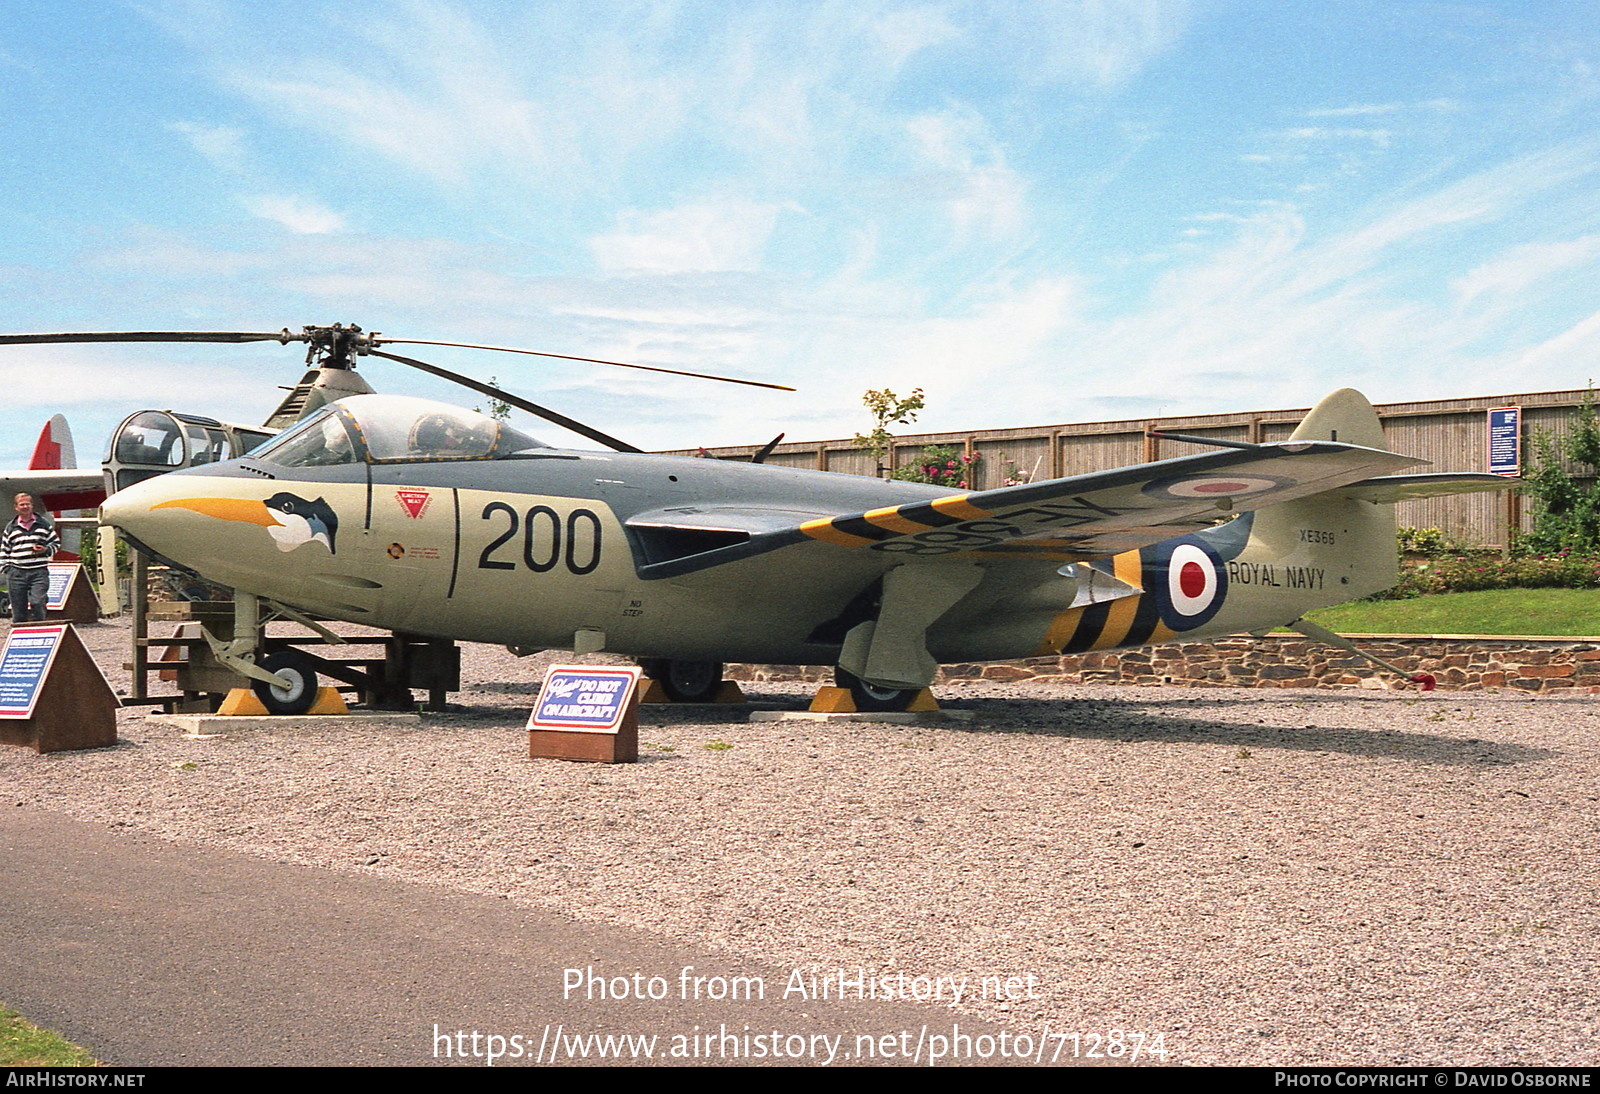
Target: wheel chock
[(835, 700), (242, 703), (832, 700), (329, 701), (727, 692)]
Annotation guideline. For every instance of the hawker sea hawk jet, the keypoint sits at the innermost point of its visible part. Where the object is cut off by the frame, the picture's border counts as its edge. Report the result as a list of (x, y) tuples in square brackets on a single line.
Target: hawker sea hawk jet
[(425, 518)]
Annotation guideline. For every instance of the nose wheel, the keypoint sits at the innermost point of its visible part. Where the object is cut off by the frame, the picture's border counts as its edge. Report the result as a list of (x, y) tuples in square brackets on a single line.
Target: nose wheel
[(301, 691)]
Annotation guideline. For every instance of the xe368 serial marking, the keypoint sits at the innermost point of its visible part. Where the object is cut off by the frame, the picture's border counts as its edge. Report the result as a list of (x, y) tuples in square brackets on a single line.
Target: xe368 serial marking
[(546, 539)]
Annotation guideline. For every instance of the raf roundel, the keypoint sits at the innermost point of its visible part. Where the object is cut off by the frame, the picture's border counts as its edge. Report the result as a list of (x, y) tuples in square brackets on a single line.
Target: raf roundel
[(1210, 487), (1190, 581)]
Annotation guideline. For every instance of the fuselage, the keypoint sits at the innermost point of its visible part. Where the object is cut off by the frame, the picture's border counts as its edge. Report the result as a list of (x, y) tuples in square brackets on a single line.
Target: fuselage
[(420, 518)]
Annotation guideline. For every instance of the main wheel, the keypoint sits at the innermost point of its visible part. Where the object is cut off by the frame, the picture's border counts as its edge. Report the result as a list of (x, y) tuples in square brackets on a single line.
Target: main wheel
[(686, 681), (874, 698), (302, 690)]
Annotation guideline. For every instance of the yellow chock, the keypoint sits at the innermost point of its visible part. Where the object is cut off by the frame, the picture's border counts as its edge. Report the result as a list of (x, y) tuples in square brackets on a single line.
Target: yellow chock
[(242, 703), (727, 692), (329, 701), (832, 700)]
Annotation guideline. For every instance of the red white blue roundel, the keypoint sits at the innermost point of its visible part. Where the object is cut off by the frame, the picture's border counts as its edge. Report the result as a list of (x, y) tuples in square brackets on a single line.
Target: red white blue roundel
[(1189, 580), (1214, 485)]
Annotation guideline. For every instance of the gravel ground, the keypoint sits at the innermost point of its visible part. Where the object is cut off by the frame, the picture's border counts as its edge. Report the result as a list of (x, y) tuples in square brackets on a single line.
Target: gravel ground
[(1264, 877)]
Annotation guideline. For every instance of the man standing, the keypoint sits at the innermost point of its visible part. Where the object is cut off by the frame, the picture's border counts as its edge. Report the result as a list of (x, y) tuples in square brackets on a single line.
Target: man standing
[(27, 545)]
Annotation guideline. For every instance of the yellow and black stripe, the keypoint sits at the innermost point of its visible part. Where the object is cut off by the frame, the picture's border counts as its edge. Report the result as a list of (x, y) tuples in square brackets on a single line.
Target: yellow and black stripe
[(876, 525), (1133, 620)]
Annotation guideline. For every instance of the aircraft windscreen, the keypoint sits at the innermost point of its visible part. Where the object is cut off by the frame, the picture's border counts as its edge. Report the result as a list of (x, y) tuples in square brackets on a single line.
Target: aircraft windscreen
[(401, 428), (322, 440)]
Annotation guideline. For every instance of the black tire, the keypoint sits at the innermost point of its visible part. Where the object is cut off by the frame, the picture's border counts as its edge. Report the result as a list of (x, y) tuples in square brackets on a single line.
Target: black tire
[(875, 698), (302, 692), (686, 681)]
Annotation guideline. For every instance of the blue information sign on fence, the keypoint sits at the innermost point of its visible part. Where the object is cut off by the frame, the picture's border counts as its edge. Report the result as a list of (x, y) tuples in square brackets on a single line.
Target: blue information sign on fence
[(1505, 440)]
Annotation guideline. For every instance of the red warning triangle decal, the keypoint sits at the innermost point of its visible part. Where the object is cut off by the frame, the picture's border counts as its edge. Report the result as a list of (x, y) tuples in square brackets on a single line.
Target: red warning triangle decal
[(414, 502)]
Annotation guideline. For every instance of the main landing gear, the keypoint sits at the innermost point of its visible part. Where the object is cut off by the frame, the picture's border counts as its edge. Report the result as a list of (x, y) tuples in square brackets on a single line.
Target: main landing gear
[(685, 681), (874, 698)]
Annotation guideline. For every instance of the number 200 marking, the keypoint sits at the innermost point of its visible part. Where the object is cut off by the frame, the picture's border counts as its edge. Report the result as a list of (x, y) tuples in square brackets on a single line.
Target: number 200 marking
[(543, 541)]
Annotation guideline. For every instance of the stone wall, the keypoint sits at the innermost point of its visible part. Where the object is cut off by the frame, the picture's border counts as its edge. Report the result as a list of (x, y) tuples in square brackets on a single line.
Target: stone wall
[(1457, 662)]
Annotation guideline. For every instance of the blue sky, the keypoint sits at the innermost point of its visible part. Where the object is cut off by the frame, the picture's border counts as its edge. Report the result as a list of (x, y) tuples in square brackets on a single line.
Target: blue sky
[(1037, 212)]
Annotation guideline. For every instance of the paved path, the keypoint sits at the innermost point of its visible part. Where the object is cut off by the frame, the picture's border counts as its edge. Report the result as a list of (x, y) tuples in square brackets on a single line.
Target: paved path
[(149, 953)]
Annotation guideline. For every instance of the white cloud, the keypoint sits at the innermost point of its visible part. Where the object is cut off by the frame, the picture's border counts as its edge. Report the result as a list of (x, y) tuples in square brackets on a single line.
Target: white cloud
[(981, 191), (908, 31), (1099, 42), (1365, 110), (708, 235), (1513, 272), (1379, 137), (296, 214), (223, 145)]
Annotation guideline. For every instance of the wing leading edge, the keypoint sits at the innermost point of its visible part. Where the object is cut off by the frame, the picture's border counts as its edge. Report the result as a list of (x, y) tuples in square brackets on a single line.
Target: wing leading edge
[(1077, 518)]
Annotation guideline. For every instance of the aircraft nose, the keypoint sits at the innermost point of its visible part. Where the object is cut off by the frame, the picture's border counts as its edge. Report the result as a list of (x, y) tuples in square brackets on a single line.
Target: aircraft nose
[(169, 514), (124, 508), (130, 510)]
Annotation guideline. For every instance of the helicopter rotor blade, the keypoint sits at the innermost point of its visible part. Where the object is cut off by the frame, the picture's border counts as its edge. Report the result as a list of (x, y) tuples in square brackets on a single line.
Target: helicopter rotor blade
[(515, 400), (284, 337), (591, 360)]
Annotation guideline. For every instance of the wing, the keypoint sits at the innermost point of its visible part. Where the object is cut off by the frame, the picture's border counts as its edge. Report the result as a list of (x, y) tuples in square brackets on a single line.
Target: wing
[(57, 490), (1082, 517)]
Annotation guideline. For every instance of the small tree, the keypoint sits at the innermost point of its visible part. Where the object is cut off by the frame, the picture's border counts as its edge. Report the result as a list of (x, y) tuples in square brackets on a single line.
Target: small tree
[(1566, 511), (887, 409), (499, 409)]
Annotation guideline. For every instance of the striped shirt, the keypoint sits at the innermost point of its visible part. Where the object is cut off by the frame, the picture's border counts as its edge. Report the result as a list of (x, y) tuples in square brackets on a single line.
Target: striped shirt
[(17, 543)]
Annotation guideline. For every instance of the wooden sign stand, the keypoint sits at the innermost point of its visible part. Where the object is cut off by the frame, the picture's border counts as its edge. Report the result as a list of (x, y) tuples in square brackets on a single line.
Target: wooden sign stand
[(76, 707), (80, 605), (621, 747)]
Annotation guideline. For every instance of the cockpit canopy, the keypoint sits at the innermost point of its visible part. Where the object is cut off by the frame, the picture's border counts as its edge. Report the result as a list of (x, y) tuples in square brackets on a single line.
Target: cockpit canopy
[(393, 429)]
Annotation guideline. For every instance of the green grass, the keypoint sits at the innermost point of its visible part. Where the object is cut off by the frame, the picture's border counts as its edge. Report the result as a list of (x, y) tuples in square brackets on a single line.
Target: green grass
[(23, 1044), (1497, 611)]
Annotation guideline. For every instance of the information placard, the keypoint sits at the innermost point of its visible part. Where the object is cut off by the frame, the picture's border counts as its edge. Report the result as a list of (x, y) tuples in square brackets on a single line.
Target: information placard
[(24, 663), (589, 698), (1505, 440), (61, 577)]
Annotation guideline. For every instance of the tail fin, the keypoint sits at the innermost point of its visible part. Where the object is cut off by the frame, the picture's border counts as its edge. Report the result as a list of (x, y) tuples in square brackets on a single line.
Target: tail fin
[(54, 450), (1332, 546), (1343, 416)]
